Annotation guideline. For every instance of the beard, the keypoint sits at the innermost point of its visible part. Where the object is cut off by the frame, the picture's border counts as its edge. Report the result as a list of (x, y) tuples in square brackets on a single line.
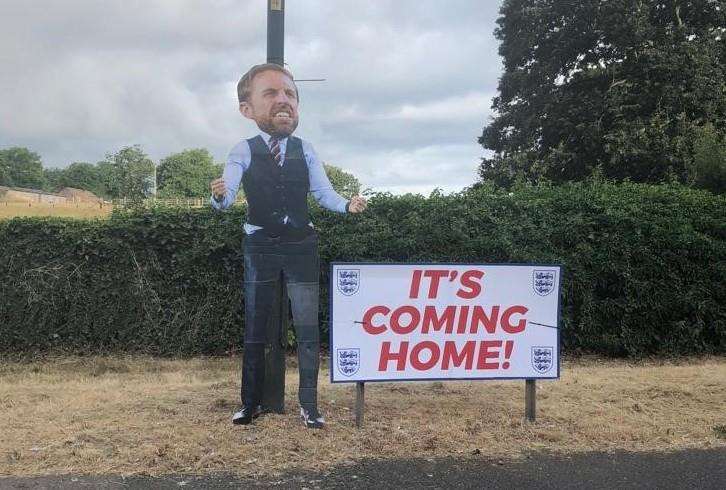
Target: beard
[(278, 127)]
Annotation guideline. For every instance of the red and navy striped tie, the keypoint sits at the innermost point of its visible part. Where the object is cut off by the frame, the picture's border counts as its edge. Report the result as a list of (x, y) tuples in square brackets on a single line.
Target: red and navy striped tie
[(275, 149)]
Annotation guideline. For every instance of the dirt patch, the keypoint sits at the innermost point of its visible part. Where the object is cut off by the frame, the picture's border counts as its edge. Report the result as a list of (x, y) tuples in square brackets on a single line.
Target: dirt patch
[(120, 415)]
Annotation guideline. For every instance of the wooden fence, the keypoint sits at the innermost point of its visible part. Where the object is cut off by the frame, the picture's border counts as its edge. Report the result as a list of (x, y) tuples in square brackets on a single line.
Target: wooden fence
[(49, 204), (184, 202)]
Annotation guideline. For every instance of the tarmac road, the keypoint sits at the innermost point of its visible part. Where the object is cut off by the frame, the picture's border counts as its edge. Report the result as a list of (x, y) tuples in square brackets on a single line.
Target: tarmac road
[(697, 469)]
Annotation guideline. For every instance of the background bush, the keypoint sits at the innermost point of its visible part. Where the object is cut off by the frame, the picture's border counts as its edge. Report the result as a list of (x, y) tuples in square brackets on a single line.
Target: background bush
[(644, 267)]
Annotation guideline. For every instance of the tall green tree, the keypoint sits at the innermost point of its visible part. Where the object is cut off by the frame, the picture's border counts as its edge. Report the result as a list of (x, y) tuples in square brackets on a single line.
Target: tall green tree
[(127, 173), (186, 174), (623, 85), (20, 167)]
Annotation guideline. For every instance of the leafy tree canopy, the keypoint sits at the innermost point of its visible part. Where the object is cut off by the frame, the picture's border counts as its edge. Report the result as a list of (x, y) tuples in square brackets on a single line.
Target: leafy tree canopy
[(20, 167), (82, 175), (53, 179), (186, 174), (127, 173), (626, 86), (708, 168)]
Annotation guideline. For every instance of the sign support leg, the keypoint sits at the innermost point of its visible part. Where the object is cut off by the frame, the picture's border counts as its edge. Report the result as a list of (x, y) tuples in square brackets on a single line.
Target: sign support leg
[(359, 403), (530, 404)]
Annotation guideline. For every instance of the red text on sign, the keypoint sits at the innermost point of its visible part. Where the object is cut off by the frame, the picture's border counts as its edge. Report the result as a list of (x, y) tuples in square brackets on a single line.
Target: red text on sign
[(469, 285), (451, 319), (427, 355)]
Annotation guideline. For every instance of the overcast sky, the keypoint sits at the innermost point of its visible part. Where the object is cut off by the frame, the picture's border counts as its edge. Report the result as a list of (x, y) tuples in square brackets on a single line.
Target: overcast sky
[(409, 82)]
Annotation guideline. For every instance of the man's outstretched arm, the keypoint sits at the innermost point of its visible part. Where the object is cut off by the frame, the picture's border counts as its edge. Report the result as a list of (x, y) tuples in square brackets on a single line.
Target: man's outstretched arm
[(321, 188), (224, 189)]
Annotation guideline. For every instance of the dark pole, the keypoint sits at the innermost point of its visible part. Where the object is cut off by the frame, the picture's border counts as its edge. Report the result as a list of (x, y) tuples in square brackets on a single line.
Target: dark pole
[(273, 398), (359, 403), (276, 32), (530, 400)]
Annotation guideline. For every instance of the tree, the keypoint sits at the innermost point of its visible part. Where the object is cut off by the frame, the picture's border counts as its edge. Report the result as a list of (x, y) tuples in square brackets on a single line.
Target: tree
[(186, 174), (128, 173), (82, 175), (623, 85), (707, 170), (344, 183), (107, 176), (5, 178), (53, 178), (20, 167)]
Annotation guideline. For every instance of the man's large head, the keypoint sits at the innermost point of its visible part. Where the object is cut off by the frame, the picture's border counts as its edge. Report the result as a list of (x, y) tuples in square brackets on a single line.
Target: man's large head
[(268, 95)]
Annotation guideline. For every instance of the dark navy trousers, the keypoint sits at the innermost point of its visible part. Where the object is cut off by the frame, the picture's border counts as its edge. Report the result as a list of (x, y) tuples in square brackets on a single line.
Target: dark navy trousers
[(269, 259)]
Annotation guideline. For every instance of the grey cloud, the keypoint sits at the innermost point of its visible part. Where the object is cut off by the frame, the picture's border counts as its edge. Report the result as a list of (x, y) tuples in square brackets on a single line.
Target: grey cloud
[(409, 82)]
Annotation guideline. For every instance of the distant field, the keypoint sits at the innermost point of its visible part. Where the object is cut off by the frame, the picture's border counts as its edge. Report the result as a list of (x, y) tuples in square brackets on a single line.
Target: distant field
[(74, 210)]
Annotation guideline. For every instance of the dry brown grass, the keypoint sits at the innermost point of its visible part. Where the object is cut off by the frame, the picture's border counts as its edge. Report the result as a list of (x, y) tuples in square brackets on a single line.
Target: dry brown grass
[(142, 415), (71, 210)]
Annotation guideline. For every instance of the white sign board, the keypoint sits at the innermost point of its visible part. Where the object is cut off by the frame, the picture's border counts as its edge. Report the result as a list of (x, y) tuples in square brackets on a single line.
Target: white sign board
[(395, 322)]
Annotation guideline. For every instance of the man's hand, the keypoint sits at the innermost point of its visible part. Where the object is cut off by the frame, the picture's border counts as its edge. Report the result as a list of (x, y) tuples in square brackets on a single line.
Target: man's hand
[(357, 204), (219, 188)]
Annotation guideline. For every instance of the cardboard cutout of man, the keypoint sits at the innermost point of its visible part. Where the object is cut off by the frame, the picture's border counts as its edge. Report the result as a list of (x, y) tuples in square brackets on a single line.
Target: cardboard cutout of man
[(277, 170)]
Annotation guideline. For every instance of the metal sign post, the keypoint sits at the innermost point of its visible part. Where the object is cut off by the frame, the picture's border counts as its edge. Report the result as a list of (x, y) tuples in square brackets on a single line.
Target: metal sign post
[(359, 403), (530, 404)]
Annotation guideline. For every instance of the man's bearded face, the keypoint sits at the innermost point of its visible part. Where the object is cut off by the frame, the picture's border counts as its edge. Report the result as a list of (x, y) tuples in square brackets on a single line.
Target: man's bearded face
[(272, 103)]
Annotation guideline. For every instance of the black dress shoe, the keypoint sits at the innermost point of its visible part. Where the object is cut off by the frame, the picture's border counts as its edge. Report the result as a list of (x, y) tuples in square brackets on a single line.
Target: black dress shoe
[(245, 416), (312, 418)]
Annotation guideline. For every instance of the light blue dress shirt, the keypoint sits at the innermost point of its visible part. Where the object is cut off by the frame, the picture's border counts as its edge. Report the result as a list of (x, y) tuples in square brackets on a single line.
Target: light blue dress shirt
[(239, 160)]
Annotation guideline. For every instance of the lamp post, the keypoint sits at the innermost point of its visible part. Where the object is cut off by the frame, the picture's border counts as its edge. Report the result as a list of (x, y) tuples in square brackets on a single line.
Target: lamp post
[(276, 32), (273, 397)]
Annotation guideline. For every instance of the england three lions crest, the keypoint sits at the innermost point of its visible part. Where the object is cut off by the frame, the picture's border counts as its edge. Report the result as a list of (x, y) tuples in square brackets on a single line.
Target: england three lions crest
[(542, 358), (348, 361), (348, 281), (543, 281)]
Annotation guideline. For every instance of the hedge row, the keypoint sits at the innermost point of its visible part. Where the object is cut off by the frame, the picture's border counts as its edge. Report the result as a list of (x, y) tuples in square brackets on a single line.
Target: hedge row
[(644, 267)]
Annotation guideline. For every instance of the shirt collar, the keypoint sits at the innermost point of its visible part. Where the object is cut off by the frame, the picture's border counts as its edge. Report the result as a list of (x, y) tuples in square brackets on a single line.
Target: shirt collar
[(267, 137)]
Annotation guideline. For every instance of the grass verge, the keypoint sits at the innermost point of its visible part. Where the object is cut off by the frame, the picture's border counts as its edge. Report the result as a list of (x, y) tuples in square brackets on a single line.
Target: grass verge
[(119, 415)]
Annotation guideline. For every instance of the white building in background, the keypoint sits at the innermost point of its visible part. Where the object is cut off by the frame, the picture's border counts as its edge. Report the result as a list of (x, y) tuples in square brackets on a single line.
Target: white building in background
[(65, 195), (21, 194)]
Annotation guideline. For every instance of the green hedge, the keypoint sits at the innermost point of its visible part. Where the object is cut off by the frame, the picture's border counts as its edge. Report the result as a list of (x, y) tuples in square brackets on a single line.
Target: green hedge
[(644, 267)]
